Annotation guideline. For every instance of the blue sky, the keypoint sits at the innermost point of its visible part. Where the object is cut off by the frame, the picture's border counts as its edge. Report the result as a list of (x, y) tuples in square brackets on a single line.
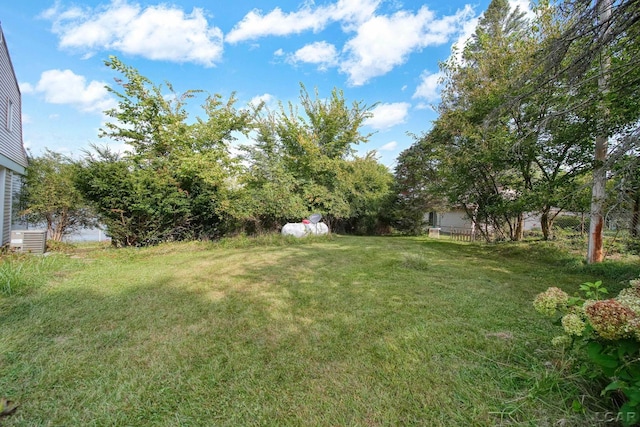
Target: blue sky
[(376, 51)]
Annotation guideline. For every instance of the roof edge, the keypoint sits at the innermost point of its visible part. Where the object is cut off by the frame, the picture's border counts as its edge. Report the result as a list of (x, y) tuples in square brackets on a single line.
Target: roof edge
[(3, 42), (12, 165)]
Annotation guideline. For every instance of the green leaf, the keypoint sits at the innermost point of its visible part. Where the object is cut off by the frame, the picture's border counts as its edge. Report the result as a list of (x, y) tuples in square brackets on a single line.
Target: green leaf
[(625, 375), (594, 350), (633, 394), (615, 385), (575, 301), (627, 347), (576, 406)]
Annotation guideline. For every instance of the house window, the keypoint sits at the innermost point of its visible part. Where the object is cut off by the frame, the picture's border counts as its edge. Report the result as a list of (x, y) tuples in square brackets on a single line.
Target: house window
[(9, 115), (433, 219)]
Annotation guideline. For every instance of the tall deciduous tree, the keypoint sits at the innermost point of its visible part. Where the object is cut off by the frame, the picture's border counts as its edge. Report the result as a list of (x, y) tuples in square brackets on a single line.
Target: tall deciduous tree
[(513, 140), (50, 196), (272, 192), (177, 180), (598, 54), (481, 168), (304, 163)]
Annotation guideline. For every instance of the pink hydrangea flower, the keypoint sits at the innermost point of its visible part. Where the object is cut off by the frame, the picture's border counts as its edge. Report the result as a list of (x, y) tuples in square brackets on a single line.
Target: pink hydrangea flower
[(610, 319)]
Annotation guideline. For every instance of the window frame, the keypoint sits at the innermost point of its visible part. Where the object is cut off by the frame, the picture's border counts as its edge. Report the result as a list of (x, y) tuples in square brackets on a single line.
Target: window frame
[(9, 123)]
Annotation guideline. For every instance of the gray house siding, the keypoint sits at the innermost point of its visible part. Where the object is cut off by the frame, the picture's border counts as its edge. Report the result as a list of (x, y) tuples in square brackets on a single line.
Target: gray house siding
[(13, 159), (5, 199)]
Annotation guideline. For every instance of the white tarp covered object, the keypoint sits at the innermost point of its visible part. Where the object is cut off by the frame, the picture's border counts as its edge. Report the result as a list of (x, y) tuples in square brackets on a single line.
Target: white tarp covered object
[(299, 229)]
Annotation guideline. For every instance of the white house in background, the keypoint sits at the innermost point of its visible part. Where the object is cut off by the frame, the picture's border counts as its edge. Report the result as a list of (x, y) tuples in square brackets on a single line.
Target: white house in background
[(457, 219), (13, 158)]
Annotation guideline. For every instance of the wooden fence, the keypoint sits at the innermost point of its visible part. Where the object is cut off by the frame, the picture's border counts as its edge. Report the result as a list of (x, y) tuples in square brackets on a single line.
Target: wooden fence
[(462, 234)]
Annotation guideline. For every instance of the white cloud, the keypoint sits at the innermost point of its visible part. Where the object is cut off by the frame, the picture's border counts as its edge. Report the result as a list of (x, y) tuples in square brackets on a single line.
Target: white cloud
[(352, 13), (380, 43), (265, 98), (384, 42), (386, 116), (279, 52), (321, 53), (160, 32), (524, 5), (255, 24), (429, 87), (390, 146), (26, 87), (66, 87), (426, 106), (276, 23)]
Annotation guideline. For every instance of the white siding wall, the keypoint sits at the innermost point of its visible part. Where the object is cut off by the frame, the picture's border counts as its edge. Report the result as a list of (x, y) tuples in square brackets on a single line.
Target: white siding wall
[(454, 219), (459, 219)]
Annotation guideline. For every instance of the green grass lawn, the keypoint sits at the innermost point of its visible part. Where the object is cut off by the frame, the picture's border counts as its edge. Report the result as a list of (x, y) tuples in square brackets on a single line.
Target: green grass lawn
[(354, 331)]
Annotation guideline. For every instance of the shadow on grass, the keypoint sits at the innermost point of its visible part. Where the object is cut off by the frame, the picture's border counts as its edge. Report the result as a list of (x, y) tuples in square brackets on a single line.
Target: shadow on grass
[(545, 254), (349, 331), (147, 354), (465, 305)]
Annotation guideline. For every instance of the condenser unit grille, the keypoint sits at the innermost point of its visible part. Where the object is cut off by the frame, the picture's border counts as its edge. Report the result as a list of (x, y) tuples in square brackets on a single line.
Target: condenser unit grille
[(33, 241)]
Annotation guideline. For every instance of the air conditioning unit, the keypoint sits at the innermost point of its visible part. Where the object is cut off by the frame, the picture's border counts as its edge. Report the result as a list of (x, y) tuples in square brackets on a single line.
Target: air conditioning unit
[(32, 241)]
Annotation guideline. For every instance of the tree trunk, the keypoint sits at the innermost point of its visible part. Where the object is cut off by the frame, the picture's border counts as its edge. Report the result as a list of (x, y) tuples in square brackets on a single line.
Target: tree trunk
[(595, 251), (512, 226), (519, 234), (545, 224)]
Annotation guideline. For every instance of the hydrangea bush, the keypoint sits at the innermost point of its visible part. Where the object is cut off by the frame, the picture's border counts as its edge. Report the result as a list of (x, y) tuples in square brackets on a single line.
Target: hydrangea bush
[(607, 331)]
